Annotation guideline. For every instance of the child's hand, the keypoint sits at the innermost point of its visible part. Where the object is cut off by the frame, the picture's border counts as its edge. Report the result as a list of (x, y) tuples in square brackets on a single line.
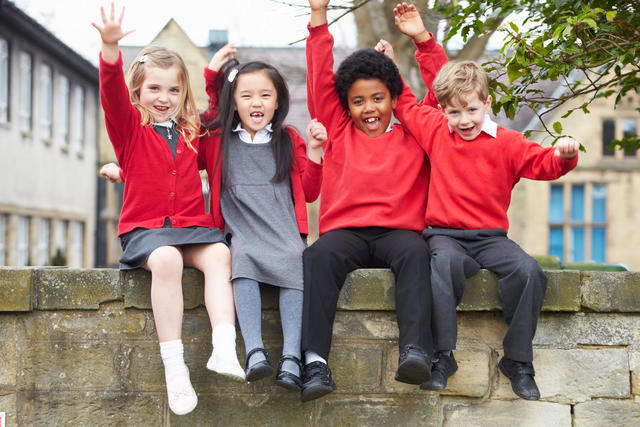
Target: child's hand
[(316, 134), (222, 56), (111, 30), (410, 23), (385, 47), (318, 4), (111, 171), (567, 148)]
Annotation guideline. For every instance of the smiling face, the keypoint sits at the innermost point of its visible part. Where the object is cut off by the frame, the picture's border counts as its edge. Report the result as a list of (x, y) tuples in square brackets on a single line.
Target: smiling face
[(161, 92), (466, 118), (256, 100), (370, 106)]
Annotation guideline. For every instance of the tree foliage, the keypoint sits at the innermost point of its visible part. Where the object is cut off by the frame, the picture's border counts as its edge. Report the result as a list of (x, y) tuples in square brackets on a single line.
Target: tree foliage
[(591, 46)]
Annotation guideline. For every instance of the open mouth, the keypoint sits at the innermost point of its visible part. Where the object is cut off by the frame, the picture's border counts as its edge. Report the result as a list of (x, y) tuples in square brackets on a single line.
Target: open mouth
[(372, 123), (256, 116)]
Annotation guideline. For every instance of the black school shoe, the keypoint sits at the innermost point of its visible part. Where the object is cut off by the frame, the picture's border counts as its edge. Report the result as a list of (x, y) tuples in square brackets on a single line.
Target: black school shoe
[(441, 370), (285, 378), (413, 365), (316, 381), (521, 376), (258, 370)]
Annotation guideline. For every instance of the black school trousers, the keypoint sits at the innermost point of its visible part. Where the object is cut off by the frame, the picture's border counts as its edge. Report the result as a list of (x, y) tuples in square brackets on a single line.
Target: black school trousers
[(456, 255), (338, 252)]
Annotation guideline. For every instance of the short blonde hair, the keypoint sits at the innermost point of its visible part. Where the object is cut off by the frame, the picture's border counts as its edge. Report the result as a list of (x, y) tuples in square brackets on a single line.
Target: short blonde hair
[(160, 57), (458, 79)]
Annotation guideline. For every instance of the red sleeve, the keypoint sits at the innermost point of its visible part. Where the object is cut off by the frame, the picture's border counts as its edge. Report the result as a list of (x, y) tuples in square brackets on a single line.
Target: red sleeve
[(422, 121), (210, 86), (531, 160), (322, 98), (431, 57), (120, 116), (310, 172)]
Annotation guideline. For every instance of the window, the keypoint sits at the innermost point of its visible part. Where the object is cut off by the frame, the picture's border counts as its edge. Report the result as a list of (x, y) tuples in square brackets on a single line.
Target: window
[(629, 128), (62, 121), (46, 102), (26, 92), (4, 81), (61, 237), (77, 252), (44, 241), (608, 135), (3, 239), (77, 121), (22, 242), (579, 232)]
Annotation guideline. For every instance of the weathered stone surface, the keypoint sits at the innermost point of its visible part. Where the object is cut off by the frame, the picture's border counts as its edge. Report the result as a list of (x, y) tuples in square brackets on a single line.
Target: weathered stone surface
[(488, 327), (471, 379), (548, 262), (247, 410), (507, 414), (481, 293), (570, 330), (563, 291), (634, 365), (54, 408), (357, 367), (619, 413), (578, 375), (611, 291), (368, 289), (365, 325), (419, 410), (16, 287), (136, 287), (62, 365), (8, 406), (9, 354), (65, 288)]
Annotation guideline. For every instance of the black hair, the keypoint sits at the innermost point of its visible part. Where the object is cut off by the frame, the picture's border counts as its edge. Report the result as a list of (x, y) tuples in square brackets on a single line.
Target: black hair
[(227, 117), (367, 64)]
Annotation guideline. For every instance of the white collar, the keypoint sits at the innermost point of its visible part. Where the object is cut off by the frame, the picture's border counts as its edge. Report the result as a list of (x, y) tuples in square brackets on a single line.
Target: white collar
[(488, 126), (263, 136), (166, 124)]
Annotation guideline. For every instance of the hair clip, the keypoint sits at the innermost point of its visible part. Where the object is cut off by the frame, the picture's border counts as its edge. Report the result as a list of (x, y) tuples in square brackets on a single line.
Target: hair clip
[(142, 59), (232, 75)]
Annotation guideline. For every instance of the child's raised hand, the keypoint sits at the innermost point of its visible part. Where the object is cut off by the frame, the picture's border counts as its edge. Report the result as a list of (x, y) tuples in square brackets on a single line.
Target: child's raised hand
[(111, 171), (318, 4), (111, 29), (316, 134), (409, 22), (567, 147), (385, 47), (222, 56)]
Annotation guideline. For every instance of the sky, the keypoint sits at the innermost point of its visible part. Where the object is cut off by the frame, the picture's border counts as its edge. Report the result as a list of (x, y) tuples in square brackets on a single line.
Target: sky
[(249, 22)]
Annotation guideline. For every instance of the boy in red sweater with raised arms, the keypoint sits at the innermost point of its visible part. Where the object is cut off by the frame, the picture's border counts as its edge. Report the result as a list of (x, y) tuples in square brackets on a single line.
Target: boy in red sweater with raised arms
[(474, 166), (372, 202)]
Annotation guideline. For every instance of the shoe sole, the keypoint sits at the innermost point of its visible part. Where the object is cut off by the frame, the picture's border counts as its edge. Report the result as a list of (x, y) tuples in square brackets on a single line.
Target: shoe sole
[(504, 372), (315, 392), (438, 386), (414, 370), (259, 373), (287, 385)]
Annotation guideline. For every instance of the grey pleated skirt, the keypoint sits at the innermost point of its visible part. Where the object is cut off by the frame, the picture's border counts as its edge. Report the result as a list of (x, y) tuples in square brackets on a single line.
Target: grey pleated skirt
[(138, 243)]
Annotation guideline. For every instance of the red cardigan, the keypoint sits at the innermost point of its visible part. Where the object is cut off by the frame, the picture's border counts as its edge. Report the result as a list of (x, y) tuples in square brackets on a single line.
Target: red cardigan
[(306, 175), (157, 187), (367, 182), (471, 181)]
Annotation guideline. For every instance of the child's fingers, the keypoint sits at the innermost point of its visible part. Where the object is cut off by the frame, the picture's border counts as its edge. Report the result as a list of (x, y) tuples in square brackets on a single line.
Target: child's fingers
[(113, 12), (121, 16)]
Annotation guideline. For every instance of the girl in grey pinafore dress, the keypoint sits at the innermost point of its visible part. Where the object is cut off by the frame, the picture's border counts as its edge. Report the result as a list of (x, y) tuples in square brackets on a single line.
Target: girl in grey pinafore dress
[(258, 201)]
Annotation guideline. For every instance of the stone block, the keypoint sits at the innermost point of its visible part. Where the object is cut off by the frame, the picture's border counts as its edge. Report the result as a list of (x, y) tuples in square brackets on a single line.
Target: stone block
[(508, 413), (136, 287), (619, 413), (634, 365), (79, 366), (357, 367), (487, 327), (16, 288), (563, 291), (230, 409), (365, 325), (611, 291), (578, 375), (58, 408), (564, 330), (368, 289), (8, 406), (481, 293), (65, 288), (8, 341), (419, 410), (548, 262)]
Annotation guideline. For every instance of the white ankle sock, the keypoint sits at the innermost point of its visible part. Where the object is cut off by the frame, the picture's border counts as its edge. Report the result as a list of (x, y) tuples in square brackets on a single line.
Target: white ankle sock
[(180, 393), (311, 356), (224, 359), (172, 353)]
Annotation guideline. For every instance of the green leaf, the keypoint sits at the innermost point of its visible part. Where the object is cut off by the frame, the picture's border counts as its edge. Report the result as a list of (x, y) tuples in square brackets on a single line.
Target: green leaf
[(590, 22), (514, 27), (557, 127), (611, 15), (513, 71)]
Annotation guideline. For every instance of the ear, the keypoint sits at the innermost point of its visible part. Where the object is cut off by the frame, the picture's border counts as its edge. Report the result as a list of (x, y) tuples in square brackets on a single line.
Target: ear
[(394, 102), (441, 108), (487, 103)]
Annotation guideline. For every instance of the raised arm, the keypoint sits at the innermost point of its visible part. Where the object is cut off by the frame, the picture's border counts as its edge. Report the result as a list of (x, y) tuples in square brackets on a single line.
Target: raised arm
[(310, 171), (111, 33), (533, 161), (223, 55), (422, 121)]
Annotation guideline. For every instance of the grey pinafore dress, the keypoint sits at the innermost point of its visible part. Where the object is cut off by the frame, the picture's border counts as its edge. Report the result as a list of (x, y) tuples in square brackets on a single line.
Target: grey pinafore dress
[(259, 216)]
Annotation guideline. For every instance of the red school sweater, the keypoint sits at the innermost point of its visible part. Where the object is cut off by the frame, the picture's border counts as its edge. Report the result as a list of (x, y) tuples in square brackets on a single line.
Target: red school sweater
[(367, 182), (157, 186), (306, 175), (471, 181)]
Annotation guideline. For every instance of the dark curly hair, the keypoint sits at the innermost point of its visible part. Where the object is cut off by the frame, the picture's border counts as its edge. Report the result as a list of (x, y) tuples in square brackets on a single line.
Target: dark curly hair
[(367, 64)]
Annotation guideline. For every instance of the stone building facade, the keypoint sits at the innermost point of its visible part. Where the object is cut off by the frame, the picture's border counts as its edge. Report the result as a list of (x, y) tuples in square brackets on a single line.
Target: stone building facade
[(48, 138)]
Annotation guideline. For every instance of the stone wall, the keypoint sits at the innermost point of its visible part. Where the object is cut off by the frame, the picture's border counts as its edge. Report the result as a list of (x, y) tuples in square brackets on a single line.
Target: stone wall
[(79, 347)]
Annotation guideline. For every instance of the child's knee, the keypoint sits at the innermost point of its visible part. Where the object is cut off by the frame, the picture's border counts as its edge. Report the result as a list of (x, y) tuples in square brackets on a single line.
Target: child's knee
[(165, 261)]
